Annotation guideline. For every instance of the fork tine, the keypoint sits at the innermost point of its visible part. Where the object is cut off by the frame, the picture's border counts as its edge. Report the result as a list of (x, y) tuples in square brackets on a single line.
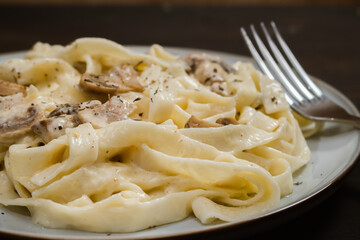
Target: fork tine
[(292, 92), (259, 60), (255, 54), (285, 66), (305, 77), (322, 108)]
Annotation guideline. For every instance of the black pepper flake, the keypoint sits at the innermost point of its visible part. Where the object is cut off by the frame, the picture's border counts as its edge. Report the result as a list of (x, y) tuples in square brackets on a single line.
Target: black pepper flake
[(60, 127), (87, 80), (274, 100), (141, 114), (137, 99), (298, 183)]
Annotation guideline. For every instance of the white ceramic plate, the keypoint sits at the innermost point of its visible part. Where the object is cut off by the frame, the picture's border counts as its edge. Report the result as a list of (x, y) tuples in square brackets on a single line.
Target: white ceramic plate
[(334, 151)]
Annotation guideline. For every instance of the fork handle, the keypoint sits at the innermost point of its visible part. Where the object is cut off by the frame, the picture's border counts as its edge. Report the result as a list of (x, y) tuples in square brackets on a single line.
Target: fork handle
[(339, 114), (350, 119)]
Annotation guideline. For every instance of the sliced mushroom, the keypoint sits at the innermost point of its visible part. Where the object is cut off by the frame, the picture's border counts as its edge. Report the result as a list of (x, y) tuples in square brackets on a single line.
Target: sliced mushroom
[(195, 122), (9, 88), (64, 116), (227, 121), (65, 109), (210, 71), (193, 60), (99, 83), (99, 115), (54, 127), (128, 78), (19, 123), (118, 79)]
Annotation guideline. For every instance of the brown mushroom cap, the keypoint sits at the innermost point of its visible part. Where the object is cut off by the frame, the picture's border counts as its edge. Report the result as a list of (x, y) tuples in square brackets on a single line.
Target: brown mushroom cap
[(118, 79), (97, 83), (19, 124)]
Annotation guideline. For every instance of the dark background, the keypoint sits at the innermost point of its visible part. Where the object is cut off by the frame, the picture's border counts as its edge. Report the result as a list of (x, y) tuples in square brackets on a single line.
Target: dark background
[(325, 39)]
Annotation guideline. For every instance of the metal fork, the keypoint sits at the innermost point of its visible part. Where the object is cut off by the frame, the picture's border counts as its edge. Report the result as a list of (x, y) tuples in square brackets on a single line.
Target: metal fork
[(301, 92)]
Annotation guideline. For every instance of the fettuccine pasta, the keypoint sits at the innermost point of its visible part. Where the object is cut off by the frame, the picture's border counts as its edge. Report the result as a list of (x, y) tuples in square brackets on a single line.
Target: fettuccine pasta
[(97, 137)]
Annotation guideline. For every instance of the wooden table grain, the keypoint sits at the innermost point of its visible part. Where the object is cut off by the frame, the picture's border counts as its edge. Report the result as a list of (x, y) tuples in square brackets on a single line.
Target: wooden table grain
[(325, 40)]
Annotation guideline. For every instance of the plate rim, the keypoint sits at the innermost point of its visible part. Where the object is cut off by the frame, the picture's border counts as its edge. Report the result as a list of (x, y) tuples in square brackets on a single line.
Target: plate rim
[(312, 196)]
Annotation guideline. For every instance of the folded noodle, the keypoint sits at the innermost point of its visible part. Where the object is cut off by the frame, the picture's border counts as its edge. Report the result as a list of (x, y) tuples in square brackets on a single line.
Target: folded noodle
[(164, 149)]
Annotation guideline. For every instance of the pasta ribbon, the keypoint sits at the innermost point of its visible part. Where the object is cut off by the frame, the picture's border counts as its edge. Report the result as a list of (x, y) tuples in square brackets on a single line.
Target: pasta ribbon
[(105, 139)]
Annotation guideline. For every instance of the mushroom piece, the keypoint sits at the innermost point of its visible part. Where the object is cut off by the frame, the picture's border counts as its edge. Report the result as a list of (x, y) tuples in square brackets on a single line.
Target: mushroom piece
[(128, 78), (99, 83), (119, 79), (209, 70), (64, 116), (227, 121), (9, 88), (16, 116), (193, 60), (99, 115), (54, 127), (19, 123), (195, 122), (65, 109)]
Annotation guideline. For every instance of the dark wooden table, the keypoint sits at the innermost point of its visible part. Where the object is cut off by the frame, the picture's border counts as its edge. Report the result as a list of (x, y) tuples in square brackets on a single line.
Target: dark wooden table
[(325, 40)]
